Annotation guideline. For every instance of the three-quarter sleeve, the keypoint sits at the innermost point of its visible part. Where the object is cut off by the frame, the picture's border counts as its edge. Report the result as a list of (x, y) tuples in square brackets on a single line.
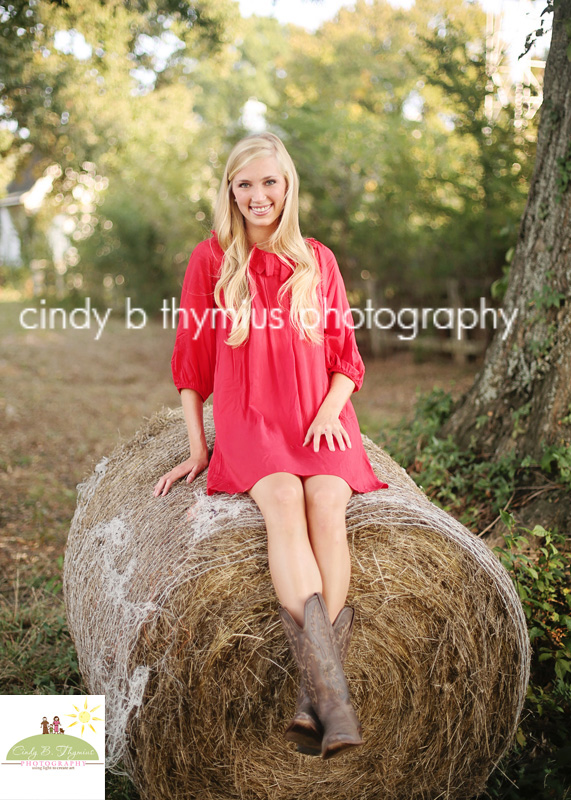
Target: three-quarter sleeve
[(341, 352), (194, 355)]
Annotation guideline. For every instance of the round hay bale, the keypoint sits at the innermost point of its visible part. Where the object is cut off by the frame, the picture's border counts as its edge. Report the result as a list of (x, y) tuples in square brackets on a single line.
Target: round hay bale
[(172, 610)]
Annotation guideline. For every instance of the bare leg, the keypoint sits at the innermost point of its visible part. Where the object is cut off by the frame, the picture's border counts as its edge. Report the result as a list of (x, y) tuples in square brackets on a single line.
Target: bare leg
[(294, 570), (326, 498), (288, 503)]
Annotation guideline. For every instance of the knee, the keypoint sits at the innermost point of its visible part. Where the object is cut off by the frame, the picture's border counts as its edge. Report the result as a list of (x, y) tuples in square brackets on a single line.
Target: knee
[(285, 499), (325, 501), (326, 516)]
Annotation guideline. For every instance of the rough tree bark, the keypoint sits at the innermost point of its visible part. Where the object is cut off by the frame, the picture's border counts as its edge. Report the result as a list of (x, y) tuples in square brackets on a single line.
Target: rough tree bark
[(520, 399)]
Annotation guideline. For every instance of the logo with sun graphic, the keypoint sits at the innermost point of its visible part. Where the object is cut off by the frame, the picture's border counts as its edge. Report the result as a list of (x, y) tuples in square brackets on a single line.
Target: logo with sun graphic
[(84, 717), (47, 744)]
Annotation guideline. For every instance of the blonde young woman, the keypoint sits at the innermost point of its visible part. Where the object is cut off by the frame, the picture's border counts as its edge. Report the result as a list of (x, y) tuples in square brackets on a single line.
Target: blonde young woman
[(265, 326)]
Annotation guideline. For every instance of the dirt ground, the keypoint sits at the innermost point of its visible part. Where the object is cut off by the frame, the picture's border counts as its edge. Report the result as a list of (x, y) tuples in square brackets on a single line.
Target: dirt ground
[(67, 399)]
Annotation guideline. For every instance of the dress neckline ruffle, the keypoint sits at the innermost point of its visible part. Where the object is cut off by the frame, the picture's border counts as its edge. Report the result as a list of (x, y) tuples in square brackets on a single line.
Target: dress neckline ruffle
[(265, 263)]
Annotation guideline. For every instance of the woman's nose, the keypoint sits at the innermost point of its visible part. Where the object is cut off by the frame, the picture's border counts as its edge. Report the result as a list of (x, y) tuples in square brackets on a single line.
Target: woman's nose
[(258, 193)]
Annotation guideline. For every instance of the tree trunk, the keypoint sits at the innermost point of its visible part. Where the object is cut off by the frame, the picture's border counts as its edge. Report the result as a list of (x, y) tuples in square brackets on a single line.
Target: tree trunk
[(520, 400)]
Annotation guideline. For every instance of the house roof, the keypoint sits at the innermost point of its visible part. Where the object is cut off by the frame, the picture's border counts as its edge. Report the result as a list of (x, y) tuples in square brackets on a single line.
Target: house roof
[(28, 173)]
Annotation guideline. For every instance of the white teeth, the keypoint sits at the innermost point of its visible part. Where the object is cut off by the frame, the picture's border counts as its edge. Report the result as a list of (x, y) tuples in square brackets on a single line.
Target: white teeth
[(261, 209)]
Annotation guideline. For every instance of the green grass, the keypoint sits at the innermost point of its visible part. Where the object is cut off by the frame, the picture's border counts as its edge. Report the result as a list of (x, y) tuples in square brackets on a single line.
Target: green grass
[(36, 651), (37, 655), (119, 787)]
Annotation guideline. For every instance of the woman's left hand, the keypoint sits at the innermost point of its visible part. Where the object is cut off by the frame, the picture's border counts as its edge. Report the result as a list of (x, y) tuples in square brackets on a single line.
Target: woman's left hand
[(328, 425)]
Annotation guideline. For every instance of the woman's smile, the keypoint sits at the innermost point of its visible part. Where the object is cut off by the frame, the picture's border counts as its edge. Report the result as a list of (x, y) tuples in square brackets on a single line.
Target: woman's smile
[(261, 210)]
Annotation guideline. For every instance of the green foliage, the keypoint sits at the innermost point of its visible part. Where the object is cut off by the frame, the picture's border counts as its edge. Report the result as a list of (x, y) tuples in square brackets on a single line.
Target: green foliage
[(558, 457), (547, 298), (563, 174), (453, 63), (473, 487), (566, 420), (128, 104), (541, 572), (538, 560), (499, 286), (518, 416), (542, 323), (67, 98), (139, 121), (538, 765), (398, 151), (470, 485), (540, 348), (539, 563)]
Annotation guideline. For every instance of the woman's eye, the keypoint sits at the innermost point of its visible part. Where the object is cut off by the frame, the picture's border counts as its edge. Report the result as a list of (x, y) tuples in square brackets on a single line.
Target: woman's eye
[(245, 184)]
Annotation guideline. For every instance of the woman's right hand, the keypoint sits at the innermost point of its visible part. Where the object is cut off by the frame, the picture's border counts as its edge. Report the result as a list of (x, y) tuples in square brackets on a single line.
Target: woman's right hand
[(192, 467)]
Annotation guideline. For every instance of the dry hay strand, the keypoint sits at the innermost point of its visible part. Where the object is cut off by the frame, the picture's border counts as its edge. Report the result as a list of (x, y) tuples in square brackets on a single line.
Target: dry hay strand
[(174, 617)]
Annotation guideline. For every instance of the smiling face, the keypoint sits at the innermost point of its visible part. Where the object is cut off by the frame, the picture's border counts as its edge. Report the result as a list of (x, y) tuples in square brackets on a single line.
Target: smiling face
[(260, 189)]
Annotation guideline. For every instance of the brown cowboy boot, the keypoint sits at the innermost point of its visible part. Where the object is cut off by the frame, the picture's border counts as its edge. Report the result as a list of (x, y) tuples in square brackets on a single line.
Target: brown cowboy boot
[(319, 663), (305, 729)]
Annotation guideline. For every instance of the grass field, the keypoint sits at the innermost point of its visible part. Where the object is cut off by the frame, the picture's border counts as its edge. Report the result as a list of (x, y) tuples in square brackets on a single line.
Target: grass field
[(66, 400)]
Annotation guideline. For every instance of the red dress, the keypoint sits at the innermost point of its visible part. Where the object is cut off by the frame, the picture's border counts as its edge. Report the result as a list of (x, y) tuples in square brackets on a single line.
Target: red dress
[(267, 391)]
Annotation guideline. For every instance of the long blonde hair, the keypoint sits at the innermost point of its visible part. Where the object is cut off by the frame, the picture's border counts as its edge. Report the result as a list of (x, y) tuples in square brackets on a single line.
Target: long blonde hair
[(286, 242)]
